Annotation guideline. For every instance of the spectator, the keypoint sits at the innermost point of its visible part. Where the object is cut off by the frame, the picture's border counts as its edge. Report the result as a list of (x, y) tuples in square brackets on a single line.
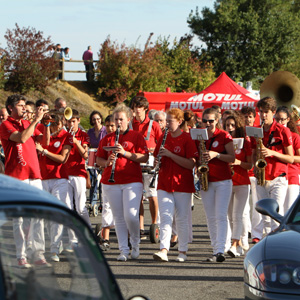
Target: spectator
[(88, 63), (160, 117), (3, 114), (66, 54), (60, 103)]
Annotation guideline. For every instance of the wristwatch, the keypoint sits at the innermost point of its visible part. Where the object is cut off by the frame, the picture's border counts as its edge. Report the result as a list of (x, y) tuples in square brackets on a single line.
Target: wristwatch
[(218, 155)]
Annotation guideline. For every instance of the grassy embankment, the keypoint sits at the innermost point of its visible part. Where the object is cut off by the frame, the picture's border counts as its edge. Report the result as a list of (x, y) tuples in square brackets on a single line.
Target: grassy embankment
[(78, 94)]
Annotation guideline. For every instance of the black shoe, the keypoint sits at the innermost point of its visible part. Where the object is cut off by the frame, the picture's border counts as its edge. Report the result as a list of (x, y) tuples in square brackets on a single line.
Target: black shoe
[(105, 245), (129, 244), (173, 244), (220, 257)]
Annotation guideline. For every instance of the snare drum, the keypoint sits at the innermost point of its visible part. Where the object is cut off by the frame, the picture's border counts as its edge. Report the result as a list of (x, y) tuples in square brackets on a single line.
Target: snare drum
[(148, 167), (92, 159)]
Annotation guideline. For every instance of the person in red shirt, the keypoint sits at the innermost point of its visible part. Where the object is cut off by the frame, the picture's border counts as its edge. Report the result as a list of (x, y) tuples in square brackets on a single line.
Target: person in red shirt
[(175, 184), (249, 115), (18, 138), (52, 160), (283, 117), (219, 154), (44, 104), (151, 132), (277, 151), (241, 183), (76, 167), (124, 189)]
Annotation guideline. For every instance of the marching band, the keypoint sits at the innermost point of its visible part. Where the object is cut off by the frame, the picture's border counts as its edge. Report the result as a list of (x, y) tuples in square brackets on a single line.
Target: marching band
[(138, 157)]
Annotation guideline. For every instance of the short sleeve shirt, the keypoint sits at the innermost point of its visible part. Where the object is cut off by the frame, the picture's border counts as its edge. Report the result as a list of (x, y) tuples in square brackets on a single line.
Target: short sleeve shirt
[(126, 170), (76, 163), (21, 159), (173, 177)]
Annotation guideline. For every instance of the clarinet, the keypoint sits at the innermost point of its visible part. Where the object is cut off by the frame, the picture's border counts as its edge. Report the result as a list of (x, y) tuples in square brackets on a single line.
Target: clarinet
[(112, 174), (156, 169)]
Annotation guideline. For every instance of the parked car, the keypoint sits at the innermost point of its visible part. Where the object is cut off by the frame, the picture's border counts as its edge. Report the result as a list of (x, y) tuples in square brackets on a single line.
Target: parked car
[(82, 272), (272, 266)]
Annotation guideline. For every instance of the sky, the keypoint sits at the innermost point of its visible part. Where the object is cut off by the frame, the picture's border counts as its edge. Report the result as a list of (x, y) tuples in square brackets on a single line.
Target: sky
[(78, 24)]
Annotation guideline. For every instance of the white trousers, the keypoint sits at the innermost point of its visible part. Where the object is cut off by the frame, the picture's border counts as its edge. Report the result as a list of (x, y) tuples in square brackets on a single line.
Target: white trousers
[(124, 200), (215, 201), (107, 215), (239, 198), (178, 205), (291, 195), (33, 233), (77, 191), (59, 189), (275, 189)]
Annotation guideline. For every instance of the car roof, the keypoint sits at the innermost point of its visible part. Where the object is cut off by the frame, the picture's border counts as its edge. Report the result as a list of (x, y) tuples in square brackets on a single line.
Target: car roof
[(15, 191)]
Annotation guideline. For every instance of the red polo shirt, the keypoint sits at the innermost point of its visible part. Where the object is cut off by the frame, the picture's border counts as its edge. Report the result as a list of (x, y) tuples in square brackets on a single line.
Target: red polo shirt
[(172, 177), (277, 138), (241, 176), (126, 170), (76, 163), (21, 159), (143, 129), (51, 169), (218, 170), (293, 169)]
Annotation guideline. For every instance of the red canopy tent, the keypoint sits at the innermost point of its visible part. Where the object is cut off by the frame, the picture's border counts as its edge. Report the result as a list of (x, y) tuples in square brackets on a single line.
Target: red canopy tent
[(224, 92)]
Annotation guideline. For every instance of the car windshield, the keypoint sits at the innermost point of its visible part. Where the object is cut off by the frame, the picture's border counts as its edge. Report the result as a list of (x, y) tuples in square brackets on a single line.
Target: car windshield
[(81, 272)]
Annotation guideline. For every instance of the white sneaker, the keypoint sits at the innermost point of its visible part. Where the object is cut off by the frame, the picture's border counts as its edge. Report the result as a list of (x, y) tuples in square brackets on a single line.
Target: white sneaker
[(55, 257), (122, 257), (233, 252), (240, 250), (160, 256), (135, 252), (181, 257)]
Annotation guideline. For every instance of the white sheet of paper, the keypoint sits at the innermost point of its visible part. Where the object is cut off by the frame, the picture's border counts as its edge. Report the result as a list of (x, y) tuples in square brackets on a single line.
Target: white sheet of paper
[(238, 143), (199, 133), (256, 132)]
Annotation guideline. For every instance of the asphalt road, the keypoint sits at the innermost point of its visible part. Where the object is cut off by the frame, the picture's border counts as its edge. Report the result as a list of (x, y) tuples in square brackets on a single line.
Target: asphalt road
[(193, 279)]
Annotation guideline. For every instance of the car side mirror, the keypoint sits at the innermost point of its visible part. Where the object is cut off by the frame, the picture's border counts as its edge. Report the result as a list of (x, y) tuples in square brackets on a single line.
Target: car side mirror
[(269, 207)]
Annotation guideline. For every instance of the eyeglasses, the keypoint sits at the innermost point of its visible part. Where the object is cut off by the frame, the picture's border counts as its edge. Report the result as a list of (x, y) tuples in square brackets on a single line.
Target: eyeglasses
[(96, 119), (205, 121), (280, 119)]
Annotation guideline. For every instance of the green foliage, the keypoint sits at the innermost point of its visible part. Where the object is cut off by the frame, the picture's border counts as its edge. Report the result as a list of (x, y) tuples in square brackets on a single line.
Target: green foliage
[(123, 71), (2, 72), (28, 62), (248, 39)]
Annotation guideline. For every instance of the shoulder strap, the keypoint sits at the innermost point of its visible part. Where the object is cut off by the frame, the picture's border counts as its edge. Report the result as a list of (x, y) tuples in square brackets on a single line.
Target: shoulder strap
[(149, 130)]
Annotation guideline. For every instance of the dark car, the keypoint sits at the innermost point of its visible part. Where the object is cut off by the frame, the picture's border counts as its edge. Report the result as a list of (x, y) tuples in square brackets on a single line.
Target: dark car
[(272, 266), (82, 272)]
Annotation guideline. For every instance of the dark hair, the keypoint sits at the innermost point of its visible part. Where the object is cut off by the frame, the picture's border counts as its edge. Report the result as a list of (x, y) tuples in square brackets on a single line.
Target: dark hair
[(217, 108), (246, 110), (189, 118), (109, 118), (28, 102), (57, 118), (75, 114), (291, 124), (40, 102), (139, 101), (95, 112), (13, 100), (239, 125), (267, 103)]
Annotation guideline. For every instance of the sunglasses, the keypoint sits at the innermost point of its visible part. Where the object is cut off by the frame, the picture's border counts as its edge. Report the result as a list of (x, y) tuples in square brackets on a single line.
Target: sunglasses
[(205, 121), (280, 119)]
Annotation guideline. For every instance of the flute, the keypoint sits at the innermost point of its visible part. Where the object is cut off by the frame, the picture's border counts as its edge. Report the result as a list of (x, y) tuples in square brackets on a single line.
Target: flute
[(156, 169), (112, 174)]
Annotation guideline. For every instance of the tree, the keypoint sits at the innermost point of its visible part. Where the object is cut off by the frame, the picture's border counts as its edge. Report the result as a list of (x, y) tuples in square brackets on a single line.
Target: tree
[(124, 71), (27, 59), (248, 39)]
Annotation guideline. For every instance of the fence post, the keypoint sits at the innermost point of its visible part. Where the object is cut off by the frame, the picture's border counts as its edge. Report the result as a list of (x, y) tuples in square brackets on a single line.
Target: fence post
[(63, 69)]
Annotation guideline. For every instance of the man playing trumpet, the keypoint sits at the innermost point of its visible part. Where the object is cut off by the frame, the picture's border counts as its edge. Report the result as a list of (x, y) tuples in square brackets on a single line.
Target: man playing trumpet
[(277, 151)]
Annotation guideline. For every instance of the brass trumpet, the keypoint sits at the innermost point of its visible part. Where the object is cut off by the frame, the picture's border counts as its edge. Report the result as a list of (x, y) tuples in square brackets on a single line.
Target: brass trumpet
[(67, 113)]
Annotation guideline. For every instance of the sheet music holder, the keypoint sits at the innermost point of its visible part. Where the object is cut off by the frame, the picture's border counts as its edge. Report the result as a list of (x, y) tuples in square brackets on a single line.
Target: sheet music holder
[(199, 133), (238, 143), (256, 132)]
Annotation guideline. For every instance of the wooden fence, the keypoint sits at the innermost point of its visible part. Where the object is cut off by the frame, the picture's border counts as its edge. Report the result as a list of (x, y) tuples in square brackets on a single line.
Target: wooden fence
[(63, 69)]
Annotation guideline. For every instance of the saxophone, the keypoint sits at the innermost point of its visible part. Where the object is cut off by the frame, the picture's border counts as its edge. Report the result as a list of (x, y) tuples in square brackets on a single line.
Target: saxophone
[(260, 163), (203, 168)]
